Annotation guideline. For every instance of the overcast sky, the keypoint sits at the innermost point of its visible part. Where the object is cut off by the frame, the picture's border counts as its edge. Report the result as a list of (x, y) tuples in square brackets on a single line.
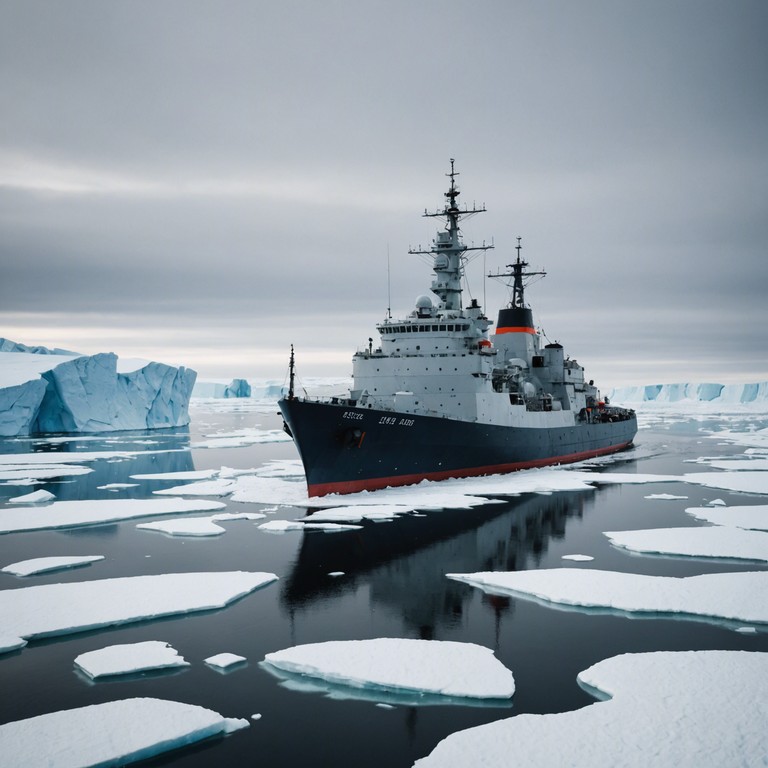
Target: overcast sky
[(205, 183)]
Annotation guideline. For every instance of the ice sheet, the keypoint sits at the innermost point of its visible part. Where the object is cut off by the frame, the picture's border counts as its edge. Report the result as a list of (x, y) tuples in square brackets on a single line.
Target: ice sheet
[(46, 564), (114, 733), (129, 658), (69, 514), (741, 597), (715, 541), (706, 709), (58, 609), (424, 666)]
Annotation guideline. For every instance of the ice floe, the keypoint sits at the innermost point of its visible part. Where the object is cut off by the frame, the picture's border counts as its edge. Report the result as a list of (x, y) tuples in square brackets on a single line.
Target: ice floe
[(664, 496), (47, 564), (243, 437), (223, 661), (282, 526), (36, 497), (694, 708), (69, 514), (218, 487), (578, 558), (753, 518), (191, 474), (446, 668), (129, 658), (711, 541), (114, 733), (22, 475), (58, 609), (730, 597), (740, 482), (198, 526)]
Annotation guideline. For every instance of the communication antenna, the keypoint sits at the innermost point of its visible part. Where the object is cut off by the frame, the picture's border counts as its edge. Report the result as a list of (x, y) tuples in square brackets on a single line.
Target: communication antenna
[(389, 288)]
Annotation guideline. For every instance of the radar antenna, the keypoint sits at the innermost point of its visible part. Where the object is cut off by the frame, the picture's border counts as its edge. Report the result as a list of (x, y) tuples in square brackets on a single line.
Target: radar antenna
[(514, 278)]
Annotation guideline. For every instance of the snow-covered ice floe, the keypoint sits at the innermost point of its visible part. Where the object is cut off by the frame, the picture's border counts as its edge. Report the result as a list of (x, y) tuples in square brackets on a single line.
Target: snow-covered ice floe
[(706, 709), (243, 437), (753, 518), (578, 558), (224, 661), (198, 526), (69, 514), (715, 541), (283, 526), (738, 481), (404, 666), (47, 564), (59, 609), (36, 497), (728, 597), (114, 733), (129, 658)]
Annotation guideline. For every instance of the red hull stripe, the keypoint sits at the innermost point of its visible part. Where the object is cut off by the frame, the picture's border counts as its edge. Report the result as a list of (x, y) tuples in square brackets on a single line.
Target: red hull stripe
[(516, 329), (377, 483)]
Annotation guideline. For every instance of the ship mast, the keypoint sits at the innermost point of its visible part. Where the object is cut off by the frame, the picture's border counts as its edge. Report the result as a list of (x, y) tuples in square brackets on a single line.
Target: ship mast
[(514, 278), (447, 248)]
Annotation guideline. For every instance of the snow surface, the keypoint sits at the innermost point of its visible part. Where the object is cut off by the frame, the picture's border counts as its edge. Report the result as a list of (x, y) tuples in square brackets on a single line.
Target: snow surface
[(58, 609), (706, 709), (741, 597), (225, 660), (114, 733), (750, 517), (90, 393), (69, 514), (46, 564), (715, 541), (418, 666), (129, 658)]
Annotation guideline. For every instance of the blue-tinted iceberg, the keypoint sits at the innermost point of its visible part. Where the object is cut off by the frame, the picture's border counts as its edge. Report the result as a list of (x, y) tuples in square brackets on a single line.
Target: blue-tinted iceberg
[(44, 392), (216, 388)]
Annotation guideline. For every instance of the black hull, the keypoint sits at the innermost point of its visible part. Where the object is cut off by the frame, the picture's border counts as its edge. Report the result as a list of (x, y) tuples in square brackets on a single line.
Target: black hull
[(346, 450)]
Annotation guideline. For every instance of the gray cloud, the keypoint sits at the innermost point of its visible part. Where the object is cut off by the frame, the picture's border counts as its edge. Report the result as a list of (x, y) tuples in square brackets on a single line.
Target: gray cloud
[(236, 173)]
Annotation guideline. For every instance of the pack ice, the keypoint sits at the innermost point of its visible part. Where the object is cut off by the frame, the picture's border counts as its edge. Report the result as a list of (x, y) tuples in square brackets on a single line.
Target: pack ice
[(88, 393)]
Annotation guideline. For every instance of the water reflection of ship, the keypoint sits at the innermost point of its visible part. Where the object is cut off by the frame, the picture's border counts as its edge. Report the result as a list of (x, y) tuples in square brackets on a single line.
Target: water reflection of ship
[(404, 563)]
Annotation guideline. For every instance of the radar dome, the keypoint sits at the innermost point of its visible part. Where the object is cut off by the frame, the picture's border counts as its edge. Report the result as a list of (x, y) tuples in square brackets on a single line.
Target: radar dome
[(424, 307)]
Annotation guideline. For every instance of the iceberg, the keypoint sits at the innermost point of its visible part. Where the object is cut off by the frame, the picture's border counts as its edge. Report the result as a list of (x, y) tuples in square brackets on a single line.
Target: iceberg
[(222, 389), (114, 733), (690, 708), (53, 392)]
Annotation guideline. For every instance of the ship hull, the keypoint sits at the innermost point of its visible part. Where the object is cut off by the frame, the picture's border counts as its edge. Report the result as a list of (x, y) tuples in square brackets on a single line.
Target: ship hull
[(346, 450)]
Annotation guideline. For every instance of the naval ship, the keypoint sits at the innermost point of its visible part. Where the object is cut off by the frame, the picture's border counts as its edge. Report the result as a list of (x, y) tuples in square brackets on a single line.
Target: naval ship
[(442, 396)]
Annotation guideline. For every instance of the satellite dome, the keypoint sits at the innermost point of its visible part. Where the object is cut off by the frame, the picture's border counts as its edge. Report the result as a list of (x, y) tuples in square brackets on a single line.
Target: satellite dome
[(423, 302)]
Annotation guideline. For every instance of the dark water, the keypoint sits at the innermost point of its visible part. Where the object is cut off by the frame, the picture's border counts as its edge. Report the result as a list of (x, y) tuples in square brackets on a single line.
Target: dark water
[(394, 587)]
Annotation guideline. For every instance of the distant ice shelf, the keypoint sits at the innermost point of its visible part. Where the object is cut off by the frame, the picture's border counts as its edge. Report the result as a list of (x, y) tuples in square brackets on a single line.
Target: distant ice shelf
[(692, 392), (47, 391)]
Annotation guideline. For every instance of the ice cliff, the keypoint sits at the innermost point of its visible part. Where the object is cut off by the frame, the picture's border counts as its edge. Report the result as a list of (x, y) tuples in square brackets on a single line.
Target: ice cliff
[(718, 394), (44, 391), (215, 388)]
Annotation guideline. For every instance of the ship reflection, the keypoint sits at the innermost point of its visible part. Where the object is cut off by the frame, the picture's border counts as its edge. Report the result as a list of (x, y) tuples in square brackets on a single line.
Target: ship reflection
[(403, 563)]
